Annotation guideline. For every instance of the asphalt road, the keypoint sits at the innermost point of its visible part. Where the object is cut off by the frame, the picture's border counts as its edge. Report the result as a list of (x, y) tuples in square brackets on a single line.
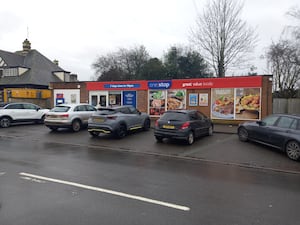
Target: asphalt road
[(71, 178)]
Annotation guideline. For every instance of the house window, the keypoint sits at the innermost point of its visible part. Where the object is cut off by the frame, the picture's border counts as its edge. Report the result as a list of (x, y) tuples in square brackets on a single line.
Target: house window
[(11, 72)]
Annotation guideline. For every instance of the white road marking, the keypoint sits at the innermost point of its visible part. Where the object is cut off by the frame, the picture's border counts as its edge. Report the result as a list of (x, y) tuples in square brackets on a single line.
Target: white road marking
[(122, 194), (2, 173), (33, 179)]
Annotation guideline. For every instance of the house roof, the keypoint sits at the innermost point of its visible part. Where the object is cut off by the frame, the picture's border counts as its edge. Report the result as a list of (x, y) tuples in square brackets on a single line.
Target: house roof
[(40, 69), (12, 59)]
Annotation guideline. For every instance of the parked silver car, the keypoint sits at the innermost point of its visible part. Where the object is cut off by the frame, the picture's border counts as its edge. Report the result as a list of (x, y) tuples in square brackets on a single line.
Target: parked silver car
[(74, 116), (20, 112), (117, 121)]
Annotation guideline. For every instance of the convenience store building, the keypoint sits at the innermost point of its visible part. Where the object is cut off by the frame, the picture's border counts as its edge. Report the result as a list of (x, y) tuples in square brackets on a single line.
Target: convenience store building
[(231, 99)]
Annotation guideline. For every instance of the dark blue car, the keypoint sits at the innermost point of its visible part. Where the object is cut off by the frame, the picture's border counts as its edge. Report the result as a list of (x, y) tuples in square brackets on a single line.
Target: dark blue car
[(281, 131)]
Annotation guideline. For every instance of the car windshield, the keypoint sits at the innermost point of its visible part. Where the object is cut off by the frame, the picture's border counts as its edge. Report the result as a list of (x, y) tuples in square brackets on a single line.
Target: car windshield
[(270, 120), (174, 116), (107, 111), (60, 109)]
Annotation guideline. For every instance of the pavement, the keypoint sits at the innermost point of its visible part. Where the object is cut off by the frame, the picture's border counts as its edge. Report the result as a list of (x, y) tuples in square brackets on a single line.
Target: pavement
[(224, 128)]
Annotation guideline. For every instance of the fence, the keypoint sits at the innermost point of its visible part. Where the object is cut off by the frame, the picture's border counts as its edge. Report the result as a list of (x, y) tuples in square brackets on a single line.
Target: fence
[(283, 105)]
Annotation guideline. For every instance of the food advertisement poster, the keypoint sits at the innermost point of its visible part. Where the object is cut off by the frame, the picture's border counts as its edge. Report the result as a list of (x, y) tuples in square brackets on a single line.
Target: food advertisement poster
[(193, 99), (203, 99), (157, 102), (162, 100), (222, 106), (247, 103), (176, 99)]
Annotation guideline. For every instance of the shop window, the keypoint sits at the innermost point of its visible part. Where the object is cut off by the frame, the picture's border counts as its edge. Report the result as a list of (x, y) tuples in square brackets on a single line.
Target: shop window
[(115, 99), (94, 100), (102, 100)]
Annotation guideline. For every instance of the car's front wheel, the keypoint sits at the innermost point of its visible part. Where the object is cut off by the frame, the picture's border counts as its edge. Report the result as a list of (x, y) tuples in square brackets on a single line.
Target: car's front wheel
[(292, 150), (41, 120), (190, 138), (76, 125), (243, 134), (5, 122)]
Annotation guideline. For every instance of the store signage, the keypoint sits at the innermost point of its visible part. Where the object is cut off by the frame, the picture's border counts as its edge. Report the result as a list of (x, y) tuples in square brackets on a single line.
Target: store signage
[(196, 84), (160, 84), (207, 83), (129, 98), (59, 95), (122, 85)]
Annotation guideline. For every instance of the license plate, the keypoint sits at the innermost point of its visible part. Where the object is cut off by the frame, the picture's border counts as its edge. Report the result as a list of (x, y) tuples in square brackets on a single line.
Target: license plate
[(168, 126), (98, 120)]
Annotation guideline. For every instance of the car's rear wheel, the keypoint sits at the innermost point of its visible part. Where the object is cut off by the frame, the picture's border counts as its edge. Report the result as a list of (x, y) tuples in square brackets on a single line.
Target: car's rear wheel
[(190, 138), (121, 131), (292, 150), (146, 124), (94, 133), (5, 122), (76, 125), (243, 134), (159, 139)]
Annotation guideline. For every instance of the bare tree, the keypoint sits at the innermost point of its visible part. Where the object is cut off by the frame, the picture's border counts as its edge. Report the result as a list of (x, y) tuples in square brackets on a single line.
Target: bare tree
[(124, 64), (224, 39), (133, 60), (284, 59), (295, 13)]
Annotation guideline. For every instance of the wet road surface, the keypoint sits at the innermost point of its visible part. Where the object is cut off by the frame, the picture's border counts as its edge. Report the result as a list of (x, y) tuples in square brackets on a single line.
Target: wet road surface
[(45, 180), (220, 148)]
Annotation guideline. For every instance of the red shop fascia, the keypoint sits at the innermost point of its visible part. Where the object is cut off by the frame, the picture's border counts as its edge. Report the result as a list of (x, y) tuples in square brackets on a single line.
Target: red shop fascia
[(189, 93)]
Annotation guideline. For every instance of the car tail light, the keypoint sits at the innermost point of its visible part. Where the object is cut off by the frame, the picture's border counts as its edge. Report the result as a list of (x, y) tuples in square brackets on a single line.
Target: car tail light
[(185, 125), (64, 115), (111, 117)]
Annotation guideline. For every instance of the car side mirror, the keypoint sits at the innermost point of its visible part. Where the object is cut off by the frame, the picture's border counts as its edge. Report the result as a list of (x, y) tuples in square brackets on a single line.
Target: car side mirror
[(260, 123), (38, 109)]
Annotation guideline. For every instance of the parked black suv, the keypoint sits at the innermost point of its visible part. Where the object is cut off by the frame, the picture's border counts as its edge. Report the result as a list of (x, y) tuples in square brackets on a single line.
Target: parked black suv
[(182, 124)]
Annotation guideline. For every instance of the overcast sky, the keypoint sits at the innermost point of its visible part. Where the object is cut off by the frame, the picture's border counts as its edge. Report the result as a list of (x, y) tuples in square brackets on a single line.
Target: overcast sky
[(77, 32)]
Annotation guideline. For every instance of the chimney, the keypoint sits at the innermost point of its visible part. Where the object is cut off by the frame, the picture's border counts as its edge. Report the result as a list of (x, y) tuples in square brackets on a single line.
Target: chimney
[(55, 61), (26, 46)]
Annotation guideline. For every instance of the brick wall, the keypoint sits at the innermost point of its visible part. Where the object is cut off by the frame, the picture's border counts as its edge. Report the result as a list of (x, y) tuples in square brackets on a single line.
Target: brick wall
[(204, 109), (266, 97), (142, 101)]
